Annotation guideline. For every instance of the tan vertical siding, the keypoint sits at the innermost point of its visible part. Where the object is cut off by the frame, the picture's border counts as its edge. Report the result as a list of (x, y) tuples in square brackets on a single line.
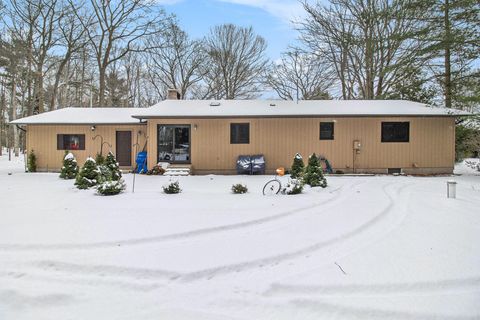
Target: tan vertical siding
[(43, 140), (431, 143)]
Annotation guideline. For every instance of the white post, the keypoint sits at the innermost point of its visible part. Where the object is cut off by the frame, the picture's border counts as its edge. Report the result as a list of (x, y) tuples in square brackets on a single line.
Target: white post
[(451, 189)]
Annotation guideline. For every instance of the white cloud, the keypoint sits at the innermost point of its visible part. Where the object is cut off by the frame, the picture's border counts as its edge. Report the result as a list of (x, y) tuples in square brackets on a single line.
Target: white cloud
[(286, 10)]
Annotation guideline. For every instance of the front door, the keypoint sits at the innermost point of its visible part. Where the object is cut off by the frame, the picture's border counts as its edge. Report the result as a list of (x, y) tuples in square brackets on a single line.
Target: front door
[(174, 143), (124, 148)]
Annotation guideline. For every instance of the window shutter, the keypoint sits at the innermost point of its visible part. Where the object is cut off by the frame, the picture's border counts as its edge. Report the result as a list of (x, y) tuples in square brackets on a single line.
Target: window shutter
[(59, 141), (82, 141)]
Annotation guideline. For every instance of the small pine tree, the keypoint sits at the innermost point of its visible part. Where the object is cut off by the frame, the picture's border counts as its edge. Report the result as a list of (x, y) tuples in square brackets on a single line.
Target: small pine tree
[(32, 162), (99, 159), (314, 173), (172, 188), (70, 167), (112, 165), (298, 167), (110, 188), (294, 186), (239, 188), (88, 175)]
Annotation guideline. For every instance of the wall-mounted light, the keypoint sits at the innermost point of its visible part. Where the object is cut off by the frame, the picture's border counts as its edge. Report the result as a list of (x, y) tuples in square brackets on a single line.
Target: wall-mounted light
[(93, 128), (195, 127)]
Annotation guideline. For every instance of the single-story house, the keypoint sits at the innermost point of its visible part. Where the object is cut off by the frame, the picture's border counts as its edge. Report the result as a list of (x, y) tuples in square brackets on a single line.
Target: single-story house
[(375, 136)]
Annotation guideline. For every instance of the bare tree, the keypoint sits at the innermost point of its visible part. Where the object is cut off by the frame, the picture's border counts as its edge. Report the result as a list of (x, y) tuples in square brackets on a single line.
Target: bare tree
[(72, 39), (174, 61), (37, 21), (367, 42), (12, 61), (235, 63), (300, 76), (115, 28)]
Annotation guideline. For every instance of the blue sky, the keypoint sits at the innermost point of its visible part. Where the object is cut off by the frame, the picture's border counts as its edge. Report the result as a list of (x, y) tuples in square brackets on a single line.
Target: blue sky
[(270, 18)]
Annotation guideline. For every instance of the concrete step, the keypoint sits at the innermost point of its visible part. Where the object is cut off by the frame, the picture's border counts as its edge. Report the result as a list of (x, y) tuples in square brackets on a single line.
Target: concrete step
[(177, 171)]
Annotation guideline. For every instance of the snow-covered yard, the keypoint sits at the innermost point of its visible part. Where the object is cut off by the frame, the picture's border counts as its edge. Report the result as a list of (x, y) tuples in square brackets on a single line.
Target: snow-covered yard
[(378, 247)]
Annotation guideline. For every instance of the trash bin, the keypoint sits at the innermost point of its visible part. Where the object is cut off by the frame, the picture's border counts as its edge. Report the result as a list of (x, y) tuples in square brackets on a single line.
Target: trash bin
[(258, 164), (141, 162), (244, 165)]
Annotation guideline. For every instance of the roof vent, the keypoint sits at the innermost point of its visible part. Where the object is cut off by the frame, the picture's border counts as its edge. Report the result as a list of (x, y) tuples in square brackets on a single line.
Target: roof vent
[(214, 104)]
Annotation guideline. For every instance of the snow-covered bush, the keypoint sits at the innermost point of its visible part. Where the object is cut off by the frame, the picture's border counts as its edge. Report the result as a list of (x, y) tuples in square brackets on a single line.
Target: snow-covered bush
[(112, 165), (110, 188), (156, 171), (172, 188), (298, 167), (314, 173), (294, 186), (239, 188), (70, 166), (88, 175), (32, 162), (109, 170)]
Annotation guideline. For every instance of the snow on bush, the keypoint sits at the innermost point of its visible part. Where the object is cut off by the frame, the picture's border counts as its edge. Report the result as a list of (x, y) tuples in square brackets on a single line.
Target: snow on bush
[(70, 166), (239, 188), (314, 173), (298, 167), (88, 175), (172, 188), (294, 186), (110, 188), (473, 163), (112, 165)]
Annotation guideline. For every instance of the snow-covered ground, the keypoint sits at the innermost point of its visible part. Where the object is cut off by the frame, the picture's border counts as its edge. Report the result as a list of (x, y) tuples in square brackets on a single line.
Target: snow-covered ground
[(378, 247)]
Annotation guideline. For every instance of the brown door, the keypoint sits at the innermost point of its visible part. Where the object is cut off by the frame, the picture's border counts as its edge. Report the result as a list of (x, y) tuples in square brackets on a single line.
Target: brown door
[(124, 148)]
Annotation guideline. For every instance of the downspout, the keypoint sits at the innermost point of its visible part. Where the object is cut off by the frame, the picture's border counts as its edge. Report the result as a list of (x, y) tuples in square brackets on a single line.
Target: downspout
[(24, 153)]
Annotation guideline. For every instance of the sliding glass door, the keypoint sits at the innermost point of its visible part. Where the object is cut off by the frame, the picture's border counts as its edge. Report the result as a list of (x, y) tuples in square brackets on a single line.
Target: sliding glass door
[(174, 143)]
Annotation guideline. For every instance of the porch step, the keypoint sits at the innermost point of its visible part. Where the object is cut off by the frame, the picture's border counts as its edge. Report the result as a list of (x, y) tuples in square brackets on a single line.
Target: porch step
[(177, 170)]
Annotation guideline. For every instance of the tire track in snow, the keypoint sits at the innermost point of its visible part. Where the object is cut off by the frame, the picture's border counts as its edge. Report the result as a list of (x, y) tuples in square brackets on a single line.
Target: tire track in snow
[(139, 273), (83, 280), (346, 312), (180, 235), (377, 289), (211, 272)]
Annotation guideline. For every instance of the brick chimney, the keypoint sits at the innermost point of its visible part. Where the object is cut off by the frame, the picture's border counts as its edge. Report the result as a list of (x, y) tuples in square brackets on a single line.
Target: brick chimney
[(173, 94)]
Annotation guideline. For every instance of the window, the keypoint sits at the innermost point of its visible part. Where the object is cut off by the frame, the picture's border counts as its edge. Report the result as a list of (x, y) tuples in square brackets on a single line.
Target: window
[(239, 133), (70, 142), (395, 131), (326, 130)]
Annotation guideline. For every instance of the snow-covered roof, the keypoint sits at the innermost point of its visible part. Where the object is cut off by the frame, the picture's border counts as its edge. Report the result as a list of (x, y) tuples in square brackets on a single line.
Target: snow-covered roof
[(87, 116), (281, 108), (237, 108)]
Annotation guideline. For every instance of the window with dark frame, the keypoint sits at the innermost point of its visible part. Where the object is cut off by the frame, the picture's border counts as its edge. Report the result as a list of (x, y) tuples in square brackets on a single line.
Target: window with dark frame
[(239, 133), (327, 130), (70, 142), (395, 131)]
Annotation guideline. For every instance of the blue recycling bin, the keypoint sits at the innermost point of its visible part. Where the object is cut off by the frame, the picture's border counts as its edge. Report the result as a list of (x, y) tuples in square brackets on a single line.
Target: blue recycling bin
[(142, 162)]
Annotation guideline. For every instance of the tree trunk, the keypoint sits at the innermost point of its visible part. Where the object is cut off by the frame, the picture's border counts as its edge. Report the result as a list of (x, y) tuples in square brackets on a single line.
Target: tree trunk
[(448, 67), (13, 116), (101, 88), (2, 108), (40, 93), (58, 75)]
